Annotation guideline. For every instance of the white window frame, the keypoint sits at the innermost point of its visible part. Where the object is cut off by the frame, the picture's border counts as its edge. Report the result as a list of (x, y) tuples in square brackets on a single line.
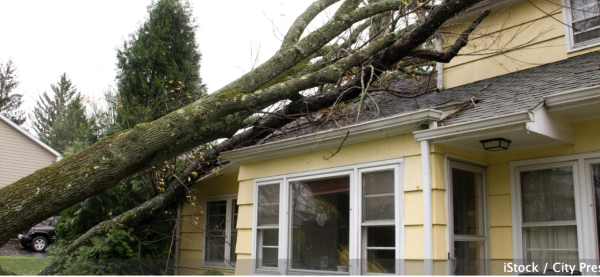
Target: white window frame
[(228, 221), (355, 242), (585, 214), (568, 23), (472, 166)]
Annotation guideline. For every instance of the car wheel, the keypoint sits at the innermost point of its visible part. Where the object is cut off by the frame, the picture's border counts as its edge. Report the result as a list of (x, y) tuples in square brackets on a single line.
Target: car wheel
[(39, 244)]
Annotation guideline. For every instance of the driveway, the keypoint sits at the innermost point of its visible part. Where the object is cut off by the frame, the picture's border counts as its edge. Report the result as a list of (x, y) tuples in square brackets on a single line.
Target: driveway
[(14, 248)]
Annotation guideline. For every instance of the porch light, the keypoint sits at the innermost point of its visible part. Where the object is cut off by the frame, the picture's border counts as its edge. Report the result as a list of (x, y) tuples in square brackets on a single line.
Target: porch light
[(496, 144)]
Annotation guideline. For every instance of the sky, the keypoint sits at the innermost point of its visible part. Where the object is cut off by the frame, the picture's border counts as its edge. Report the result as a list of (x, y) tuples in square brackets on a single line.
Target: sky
[(46, 38)]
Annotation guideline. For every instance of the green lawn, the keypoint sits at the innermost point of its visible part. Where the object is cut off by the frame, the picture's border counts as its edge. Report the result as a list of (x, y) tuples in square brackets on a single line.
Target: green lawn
[(24, 265)]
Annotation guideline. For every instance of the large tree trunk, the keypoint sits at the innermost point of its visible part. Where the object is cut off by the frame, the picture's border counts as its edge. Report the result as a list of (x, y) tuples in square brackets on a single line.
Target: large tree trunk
[(101, 166)]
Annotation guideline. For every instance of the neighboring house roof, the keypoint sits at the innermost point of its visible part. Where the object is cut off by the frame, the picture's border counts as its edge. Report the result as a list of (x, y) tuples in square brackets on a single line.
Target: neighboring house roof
[(32, 137)]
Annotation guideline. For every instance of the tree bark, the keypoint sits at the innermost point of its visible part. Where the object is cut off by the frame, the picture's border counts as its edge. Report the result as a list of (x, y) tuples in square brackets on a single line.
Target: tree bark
[(99, 167)]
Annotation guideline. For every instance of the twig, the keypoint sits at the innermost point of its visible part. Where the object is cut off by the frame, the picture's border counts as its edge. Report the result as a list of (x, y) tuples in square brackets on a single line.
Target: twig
[(339, 148)]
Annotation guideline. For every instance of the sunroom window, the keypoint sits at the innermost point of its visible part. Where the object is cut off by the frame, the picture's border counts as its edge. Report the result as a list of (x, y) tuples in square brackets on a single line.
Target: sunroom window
[(221, 233), (548, 214), (339, 221)]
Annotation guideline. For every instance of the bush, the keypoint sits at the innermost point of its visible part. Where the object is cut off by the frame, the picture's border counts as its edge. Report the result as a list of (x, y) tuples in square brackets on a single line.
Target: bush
[(212, 272)]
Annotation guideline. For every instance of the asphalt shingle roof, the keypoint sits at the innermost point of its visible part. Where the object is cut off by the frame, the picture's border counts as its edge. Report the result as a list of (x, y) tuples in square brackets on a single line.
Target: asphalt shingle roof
[(506, 94)]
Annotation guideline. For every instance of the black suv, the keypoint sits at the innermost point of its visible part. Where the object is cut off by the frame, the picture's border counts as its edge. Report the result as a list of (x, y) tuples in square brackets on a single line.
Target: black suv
[(39, 237)]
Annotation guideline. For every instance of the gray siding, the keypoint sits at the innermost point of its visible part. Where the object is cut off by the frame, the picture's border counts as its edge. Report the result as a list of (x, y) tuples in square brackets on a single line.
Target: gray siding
[(19, 155)]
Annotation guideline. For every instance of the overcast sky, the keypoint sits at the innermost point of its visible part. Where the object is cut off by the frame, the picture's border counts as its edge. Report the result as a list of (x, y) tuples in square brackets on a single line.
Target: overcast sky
[(46, 38)]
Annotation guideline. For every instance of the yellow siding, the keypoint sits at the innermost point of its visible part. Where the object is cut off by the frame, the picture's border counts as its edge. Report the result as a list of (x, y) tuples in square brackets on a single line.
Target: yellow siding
[(19, 155), (192, 237), (508, 40)]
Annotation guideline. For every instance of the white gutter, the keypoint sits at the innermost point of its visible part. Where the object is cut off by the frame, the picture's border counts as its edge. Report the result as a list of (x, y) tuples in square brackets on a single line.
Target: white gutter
[(32, 137), (515, 121), (376, 129), (427, 213), (573, 99)]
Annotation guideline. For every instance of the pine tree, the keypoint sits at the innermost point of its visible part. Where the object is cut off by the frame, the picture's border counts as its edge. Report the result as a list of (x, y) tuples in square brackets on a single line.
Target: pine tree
[(159, 66), (10, 102), (60, 121)]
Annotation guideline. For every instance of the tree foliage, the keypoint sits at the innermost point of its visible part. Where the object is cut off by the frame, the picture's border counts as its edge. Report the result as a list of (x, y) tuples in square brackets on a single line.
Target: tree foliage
[(159, 66), (61, 121), (10, 102)]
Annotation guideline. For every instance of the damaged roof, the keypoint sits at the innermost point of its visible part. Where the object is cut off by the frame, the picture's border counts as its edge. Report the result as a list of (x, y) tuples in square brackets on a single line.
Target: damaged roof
[(506, 94)]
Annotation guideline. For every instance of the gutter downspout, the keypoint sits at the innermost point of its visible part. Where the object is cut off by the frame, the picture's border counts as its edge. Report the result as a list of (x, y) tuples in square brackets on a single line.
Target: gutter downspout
[(427, 217), (440, 66)]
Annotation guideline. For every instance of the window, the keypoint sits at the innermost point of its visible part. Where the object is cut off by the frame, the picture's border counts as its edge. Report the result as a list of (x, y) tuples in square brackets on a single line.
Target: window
[(549, 224), (582, 28), (469, 228), (306, 222), (220, 231), (557, 209)]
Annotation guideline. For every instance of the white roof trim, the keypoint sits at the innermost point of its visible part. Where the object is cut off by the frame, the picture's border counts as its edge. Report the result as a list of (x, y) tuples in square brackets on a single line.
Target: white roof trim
[(366, 131), (222, 170), (476, 127), (573, 99), (32, 137)]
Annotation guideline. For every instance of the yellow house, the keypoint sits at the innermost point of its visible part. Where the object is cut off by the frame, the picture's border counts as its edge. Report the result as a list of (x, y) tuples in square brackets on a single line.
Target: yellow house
[(496, 173)]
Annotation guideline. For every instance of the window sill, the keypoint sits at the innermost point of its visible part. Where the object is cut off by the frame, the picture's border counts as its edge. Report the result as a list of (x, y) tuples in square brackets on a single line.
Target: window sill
[(583, 45)]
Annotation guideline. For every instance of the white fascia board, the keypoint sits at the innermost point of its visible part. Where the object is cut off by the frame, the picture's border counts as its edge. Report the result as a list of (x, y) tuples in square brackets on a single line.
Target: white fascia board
[(32, 137), (549, 125), (510, 122), (372, 130), (573, 99)]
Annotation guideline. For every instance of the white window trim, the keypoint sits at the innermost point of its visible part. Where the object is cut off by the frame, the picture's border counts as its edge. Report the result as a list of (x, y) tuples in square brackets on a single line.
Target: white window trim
[(584, 201), (355, 227), (228, 220), (468, 165), (568, 22)]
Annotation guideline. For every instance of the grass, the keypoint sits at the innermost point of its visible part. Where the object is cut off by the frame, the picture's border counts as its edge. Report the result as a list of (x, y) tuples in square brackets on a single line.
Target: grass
[(23, 265)]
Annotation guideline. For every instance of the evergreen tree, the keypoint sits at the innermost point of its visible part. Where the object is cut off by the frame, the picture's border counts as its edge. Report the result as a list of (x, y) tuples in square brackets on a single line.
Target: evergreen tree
[(159, 66), (10, 102), (60, 121)]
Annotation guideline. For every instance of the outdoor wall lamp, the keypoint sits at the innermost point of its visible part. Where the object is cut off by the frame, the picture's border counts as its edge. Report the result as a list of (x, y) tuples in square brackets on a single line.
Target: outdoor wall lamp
[(496, 144)]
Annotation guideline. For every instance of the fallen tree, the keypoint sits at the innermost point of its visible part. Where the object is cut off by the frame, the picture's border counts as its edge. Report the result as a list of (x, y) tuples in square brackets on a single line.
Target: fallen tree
[(205, 164), (221, 114)]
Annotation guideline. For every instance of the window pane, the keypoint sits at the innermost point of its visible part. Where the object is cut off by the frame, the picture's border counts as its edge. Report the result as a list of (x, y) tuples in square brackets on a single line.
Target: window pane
[(381, 261), (235, 214), (467, 199), (381, 236), (216, 215), (269, 237), (320, 217), (269, 257), (268, 240), (378, 195), (469, 258), (548, 195), (232, 254), (268, 204), (596, 180), (551, 244), (215, 251)]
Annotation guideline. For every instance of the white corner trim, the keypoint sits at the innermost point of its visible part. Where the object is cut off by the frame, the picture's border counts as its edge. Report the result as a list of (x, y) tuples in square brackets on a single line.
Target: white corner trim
[(376, 129), (477, 127), (573, 99), (427, 208), (32, 137)]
